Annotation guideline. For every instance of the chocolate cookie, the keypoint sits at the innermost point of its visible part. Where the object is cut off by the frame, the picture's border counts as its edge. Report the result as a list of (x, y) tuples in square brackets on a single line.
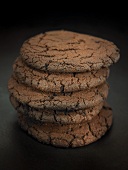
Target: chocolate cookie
[(74, 135), (66, 51), (56, 82), (57, 101), (54, 116)]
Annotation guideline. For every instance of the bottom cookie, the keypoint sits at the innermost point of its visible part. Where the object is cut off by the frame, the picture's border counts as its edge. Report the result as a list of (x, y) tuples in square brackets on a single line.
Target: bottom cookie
[(72, 135)]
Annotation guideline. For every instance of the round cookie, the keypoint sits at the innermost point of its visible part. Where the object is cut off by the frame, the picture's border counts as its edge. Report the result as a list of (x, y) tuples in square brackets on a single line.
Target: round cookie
[(67, 51), (57, 101), (55, 116), (56, 82), (75, 135)]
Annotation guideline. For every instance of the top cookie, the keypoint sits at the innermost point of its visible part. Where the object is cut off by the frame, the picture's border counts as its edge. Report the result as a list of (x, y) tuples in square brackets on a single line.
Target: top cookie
[(66, 51)]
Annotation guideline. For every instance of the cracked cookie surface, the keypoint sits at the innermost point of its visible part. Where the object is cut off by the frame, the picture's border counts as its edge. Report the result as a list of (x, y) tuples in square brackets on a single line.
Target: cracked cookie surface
[(56, 82), (54, 116), (67, 51), (74, 135), (57, 101)]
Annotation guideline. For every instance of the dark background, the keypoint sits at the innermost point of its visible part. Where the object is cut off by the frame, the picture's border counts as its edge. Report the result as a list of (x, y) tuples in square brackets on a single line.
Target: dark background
[(17, 23)]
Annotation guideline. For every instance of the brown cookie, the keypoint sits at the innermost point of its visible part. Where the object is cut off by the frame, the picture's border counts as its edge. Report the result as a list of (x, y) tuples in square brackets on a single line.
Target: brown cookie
[(56, 82), (74, 135), (57, 101), (54, 116), (66, 51)]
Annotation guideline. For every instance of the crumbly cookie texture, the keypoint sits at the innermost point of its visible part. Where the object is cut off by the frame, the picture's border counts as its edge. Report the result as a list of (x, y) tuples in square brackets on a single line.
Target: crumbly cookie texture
[(67, 51), (55, 116), (56, 82), (75, 135), (57, 101)]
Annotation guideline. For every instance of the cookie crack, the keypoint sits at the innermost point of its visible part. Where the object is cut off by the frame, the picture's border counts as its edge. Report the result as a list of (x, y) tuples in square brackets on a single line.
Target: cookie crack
[(91, 131), (55, 113), (41, 37)]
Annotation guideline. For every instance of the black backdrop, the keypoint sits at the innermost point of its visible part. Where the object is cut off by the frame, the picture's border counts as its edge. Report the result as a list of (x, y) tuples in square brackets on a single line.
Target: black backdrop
[(18, 150)]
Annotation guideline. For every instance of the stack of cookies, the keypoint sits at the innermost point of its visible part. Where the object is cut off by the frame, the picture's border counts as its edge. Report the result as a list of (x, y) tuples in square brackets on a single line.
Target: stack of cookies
[(59, 87)]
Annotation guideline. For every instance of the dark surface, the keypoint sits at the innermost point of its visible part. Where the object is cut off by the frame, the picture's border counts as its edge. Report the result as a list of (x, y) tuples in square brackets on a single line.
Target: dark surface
[(18, 151)]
